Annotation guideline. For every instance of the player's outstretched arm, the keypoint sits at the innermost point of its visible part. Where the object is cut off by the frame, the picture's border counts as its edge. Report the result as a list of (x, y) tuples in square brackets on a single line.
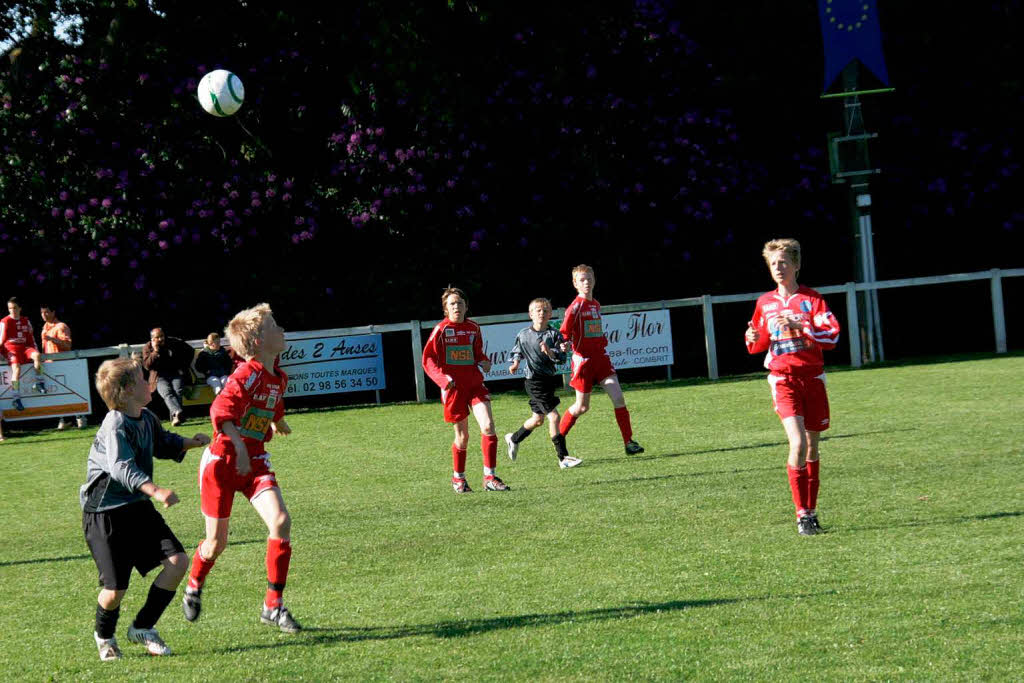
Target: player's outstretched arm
[(281, 427), (196, 441), (165, 496)]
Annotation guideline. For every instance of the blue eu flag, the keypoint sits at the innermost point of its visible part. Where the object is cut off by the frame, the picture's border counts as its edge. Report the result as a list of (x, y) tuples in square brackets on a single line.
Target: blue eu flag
[(850, 30)]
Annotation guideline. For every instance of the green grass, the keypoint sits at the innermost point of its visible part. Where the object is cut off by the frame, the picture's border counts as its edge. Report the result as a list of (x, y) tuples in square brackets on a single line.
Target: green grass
[(681, 563)]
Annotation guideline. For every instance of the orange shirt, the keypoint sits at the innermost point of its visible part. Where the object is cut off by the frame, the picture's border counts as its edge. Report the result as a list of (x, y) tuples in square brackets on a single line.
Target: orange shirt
[(59, 331)]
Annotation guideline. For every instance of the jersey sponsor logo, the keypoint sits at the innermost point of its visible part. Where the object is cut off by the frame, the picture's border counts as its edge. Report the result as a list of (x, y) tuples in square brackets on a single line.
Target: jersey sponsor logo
[(250, 380), (592, 328), (822, 319), (272, 398), (770, 307), (449, 331), (805, 306), (459, 354), (255, 423), (781, 347)]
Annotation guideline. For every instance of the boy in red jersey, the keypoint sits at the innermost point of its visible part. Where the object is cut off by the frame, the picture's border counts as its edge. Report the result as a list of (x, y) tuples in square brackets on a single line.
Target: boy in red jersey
[(590, 362), (246, 414), (19, 345), (793, 324), (453, 358)]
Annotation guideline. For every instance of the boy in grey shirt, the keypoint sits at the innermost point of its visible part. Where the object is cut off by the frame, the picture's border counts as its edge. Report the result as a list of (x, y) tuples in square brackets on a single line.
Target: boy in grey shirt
[(122, 528), (543, 347)]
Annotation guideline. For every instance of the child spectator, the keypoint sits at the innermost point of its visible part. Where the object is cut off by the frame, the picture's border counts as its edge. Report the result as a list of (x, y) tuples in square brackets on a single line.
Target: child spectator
[(215, 363), (246, 414), (453, 358), (19, 344), (793, 324), (542, 347), (122, 527), (590, 362)]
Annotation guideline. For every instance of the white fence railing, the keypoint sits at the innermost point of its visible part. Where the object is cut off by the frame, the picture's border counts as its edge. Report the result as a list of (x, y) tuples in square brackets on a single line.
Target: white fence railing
[(851, 328)]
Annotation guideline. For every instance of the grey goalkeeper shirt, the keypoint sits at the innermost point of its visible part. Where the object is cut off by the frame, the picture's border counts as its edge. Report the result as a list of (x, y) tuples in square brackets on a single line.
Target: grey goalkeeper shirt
[(121, 459), (528, 345)]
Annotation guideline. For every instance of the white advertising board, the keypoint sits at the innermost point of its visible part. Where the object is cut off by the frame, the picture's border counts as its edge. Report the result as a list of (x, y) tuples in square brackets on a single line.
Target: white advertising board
[(67, 391), (635, 340)]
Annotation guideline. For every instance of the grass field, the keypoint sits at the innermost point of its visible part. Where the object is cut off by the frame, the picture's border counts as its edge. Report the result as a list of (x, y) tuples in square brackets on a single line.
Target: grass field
[(680, 563)]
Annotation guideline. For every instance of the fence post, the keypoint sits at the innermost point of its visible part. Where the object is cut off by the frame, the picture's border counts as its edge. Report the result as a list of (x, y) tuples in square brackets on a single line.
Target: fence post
[(709, 336), (123, 350), (997, 310), (417, 361), (853, 320)]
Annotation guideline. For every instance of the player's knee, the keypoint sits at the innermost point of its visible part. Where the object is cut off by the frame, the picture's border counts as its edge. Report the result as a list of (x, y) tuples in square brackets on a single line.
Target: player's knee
[(177, 564), (110, 599), (281, 525), (579, 409)]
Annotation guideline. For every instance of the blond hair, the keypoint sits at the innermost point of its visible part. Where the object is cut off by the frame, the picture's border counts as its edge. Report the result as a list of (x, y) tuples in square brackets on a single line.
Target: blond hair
[(581, 268), (115, 380), (542, 301), (787, 245), (246, 329)]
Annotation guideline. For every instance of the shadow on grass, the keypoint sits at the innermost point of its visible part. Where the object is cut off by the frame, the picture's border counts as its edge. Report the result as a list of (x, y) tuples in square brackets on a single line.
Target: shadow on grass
[(472, 627), (73, 558), (729, 449), (938, 522)]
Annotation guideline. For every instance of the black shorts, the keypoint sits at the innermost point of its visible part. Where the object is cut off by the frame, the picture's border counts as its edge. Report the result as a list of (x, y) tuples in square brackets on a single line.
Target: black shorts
[(131, 536), (541, 390)]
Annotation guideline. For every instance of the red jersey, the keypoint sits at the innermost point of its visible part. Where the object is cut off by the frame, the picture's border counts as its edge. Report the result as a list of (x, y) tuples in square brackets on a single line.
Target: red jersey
[(252, 398), (16, 334), (452, 353), (791, 352), (582, 326)]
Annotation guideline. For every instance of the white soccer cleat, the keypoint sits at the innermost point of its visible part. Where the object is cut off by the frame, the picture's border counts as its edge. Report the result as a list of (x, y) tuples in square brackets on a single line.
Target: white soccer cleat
[(150, 638), (109, 651), (513, 447), (569, 461)]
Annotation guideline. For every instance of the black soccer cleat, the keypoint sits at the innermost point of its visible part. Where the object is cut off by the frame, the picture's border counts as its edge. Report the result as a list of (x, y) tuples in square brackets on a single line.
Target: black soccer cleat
[(633, 448), (816, 523), (192, 604), (281, 618), (805, 526)]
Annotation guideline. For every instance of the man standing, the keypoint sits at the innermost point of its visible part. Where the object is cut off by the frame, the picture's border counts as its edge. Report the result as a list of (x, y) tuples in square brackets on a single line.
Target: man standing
[(168, 360), (56, 337)]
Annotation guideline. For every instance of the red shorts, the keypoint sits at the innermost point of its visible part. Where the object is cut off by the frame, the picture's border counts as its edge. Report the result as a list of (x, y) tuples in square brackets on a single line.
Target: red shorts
[(801, 397), (219, 479), (459, 402), (20, 355), (586, 372)]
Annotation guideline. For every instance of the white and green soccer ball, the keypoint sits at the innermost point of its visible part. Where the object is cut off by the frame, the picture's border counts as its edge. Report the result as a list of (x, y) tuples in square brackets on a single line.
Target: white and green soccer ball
[(221, 93)]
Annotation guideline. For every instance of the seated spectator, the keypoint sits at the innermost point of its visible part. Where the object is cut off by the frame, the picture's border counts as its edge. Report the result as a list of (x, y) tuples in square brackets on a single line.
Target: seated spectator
[(169, 361), (214, 362)]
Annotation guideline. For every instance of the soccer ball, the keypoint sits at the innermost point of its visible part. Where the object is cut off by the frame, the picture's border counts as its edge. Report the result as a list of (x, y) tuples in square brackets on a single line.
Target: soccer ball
[(221, 93)]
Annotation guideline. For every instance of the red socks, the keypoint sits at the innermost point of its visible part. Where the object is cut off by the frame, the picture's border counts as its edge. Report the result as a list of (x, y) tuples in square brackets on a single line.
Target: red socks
[(489, 446), (812, 483), (200, 568), (459, 459), (622, 417), (279, 555), (566, 423), (798, 487)]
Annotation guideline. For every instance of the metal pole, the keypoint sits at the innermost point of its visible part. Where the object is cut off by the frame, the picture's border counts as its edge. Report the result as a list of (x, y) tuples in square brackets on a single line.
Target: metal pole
[(853, 334), (865, 276), (417, 361), (709, 337), (873, 294), (997, 310)]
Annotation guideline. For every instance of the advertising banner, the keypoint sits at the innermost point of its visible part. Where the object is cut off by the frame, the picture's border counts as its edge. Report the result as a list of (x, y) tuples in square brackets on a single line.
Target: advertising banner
[(635, 340), (333, 365), (66, 384)]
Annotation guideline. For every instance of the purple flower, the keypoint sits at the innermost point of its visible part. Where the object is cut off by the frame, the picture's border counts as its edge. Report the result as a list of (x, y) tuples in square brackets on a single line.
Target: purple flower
[(162, 244), (286, 197), (64, 195), (256, 203), (107, 202), (93, 254), (55, 212), (105, 261), (69, 214)]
